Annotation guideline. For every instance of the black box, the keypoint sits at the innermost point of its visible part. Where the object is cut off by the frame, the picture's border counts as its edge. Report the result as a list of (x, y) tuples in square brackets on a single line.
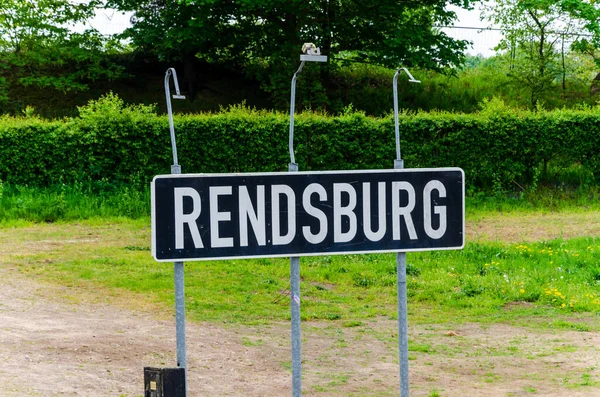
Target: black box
[(164, 382)]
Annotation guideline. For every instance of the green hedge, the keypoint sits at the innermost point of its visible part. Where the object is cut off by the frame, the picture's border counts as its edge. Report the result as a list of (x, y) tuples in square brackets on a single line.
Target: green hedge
[(117, 144)]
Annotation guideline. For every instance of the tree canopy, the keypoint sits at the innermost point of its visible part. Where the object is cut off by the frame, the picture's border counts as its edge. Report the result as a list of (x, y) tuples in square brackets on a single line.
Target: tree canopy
[(538, 34), (388, 32), (40, 48), (270, 33)]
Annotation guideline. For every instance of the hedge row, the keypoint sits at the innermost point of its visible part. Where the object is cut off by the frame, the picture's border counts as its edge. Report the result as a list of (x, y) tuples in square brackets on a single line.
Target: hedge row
[(114, 143)]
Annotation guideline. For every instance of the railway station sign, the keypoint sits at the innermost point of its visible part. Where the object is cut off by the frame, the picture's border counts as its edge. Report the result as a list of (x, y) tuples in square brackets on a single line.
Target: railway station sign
[(225, 216)]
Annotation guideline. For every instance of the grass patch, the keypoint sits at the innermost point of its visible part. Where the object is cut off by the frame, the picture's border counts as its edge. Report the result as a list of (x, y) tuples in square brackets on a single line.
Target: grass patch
[(485, 282), (100, 238), (72, 202)]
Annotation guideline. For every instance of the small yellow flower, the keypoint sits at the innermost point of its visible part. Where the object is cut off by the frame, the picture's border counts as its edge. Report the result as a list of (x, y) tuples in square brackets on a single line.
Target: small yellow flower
[(522, 291)]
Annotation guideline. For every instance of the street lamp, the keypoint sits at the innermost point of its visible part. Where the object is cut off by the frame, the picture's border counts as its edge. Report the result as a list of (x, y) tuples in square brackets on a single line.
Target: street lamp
[(178, 267), (171, 72), (401, 259), (411, 79), (311, 53)]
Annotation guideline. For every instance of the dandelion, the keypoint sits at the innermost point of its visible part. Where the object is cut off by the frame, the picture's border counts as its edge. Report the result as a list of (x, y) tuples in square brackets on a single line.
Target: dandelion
[(522, 291)]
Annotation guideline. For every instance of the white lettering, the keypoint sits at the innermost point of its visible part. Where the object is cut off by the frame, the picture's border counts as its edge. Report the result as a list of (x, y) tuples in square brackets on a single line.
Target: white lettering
[(437, 209), (190, 219), (215, 217), (369, 233), (398, 211), (339, 212), (256, 218), (315, 212), (276, 192)]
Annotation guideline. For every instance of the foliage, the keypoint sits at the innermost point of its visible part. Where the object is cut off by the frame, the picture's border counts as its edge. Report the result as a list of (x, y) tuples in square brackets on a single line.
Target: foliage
[(588, 13), (498, 148), (364, 87), (531, 31), (385, 33), (39, 48), (265, 37)]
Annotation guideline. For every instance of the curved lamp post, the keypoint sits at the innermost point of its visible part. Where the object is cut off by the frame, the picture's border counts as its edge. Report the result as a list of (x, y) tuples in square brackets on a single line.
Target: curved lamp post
[(177, 266), (171, 72), (311, 54), (395, 84), (401, 259)]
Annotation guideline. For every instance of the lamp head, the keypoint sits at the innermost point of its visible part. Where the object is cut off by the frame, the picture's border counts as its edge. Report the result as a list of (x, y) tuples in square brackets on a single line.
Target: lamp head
[(411, 78), (312, 53)]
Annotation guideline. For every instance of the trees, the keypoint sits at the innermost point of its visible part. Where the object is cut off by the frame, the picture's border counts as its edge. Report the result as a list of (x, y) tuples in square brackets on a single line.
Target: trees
[(266, 35), (39, 48), (537, 33)]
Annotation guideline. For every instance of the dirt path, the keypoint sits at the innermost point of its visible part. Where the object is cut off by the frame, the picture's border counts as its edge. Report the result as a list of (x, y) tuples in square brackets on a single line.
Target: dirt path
[(530, 227), (77, 346)]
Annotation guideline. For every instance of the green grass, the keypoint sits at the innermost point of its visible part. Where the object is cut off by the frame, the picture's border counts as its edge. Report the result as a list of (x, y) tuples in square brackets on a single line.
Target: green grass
[(72, 202), (569, 189), (434, 393), (485, 282)]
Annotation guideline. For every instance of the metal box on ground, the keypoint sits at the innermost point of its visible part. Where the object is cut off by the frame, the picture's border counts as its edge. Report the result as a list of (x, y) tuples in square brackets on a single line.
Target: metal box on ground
[(164, 382)]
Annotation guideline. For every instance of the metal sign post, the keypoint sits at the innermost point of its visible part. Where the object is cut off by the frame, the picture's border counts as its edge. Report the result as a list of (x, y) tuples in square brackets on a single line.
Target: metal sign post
[(311, 54), (401, 259), (177, 266)]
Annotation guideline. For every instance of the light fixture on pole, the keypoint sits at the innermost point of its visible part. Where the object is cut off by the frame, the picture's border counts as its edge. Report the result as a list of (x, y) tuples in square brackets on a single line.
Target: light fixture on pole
[(178, 267), (401, 259), (171, 72), (311, 53), (411, 79)]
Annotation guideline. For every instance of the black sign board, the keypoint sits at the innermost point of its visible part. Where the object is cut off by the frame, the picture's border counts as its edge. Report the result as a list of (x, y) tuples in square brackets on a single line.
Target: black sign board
[(223, 216)]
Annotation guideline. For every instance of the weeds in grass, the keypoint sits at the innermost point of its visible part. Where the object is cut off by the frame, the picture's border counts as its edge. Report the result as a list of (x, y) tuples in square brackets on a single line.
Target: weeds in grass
[(434, 393), (485, 281)]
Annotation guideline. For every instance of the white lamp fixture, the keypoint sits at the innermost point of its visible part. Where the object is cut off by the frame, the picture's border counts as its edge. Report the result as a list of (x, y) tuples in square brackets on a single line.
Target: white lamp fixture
[(312, 53)]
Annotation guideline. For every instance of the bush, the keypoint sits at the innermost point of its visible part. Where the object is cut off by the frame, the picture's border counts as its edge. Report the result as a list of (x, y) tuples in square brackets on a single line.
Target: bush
[(497, 147)]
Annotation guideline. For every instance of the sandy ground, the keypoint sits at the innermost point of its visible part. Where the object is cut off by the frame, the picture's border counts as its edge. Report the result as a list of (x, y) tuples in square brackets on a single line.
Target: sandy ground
[(60, 341)]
